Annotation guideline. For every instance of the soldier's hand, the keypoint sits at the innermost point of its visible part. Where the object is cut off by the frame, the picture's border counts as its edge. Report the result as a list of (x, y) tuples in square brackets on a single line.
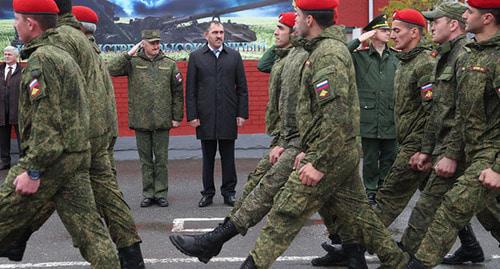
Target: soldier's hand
[(240, 121), (424, 162), (490, 178), (135, 48), (298, 159), (275, 154), (25, 185), (445, 167), (309, 175), (176, 124), (194, 123), (365, 36), (413, 162)]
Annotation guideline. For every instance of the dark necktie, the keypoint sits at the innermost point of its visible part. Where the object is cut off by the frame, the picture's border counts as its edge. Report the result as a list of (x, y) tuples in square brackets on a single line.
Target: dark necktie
[(216, 52), (9, 75)]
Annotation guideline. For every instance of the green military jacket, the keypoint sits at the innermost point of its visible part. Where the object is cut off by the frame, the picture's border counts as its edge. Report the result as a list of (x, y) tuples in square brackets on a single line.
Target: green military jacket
[(328, 108), (73, 41), (53, 107), (267, 60), (413, 96), (444, 95), (272, 110), (290, 87), (479, 101), (375, 81), (155, 91)]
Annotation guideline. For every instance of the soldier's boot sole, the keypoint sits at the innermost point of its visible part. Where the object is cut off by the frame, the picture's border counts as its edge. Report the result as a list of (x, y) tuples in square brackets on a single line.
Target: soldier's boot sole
[(465, 254)]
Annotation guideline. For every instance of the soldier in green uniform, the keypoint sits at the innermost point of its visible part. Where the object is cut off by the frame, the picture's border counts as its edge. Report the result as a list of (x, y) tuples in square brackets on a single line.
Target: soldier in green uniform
[(267, 60), (54, 123), (109, 198), (478, 119), (156, 104), (448, 30), (375, 69), (413, 96), (327, 176)]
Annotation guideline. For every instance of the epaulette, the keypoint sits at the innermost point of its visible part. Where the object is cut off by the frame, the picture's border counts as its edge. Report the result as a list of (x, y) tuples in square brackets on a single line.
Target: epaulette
[(393, 49), (362, 49)]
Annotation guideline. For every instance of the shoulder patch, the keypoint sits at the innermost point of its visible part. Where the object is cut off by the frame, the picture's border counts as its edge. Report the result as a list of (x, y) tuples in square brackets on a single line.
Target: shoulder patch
[(322, 89), (178, 76), (34, 88), (426, 92)]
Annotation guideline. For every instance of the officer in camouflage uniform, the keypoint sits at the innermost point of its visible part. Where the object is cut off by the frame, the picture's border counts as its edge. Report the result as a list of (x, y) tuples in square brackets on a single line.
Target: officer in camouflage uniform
[(478, 119), (109, 198), (413, 95), (54, 123), (328, 176), (448, 30), (156, 104), (276, 165), (375, 69)]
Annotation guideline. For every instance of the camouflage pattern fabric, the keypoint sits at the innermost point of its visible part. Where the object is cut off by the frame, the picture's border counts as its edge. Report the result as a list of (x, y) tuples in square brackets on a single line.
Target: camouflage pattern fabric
[(327, 101), (54, 120), (478, 113)]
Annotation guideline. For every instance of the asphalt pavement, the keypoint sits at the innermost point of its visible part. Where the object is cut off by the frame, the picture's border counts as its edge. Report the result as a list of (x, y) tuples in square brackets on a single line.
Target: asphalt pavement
[(51, 246)]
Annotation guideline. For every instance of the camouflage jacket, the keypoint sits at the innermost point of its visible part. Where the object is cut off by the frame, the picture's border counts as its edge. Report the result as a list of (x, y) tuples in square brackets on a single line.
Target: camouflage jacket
[(272, 109), (479, 101), (74, 42), (290, 86), (444, 95), (413, 96), (155, 92), (53, 107), (328, 108)]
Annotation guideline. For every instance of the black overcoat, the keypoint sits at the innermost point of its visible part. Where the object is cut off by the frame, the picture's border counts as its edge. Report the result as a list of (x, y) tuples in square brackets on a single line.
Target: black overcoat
[(216, 92), (10, 92)]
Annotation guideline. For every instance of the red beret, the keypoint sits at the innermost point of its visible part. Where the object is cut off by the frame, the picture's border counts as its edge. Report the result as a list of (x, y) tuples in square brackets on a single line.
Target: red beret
[(410, 16), (35, 6), (288, 18), (484, 3), (316, 4), (85, 14)]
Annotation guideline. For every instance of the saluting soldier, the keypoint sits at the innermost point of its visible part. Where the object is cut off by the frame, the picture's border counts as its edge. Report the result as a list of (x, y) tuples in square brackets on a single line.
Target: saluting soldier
[(375, 69)]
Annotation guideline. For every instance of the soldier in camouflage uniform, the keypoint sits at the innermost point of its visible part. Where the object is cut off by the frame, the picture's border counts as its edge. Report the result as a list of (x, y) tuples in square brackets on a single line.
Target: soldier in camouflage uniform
[(328, 176), (109, 199), (277, 163), (54, 123), (156, 104), (413, 96), (478, 119), (448, 30)]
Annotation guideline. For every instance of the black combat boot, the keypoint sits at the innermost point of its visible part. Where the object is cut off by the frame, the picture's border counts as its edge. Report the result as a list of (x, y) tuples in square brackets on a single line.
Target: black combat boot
[(15, 251), (131, 257), (414, 263), (335, 254), (248, 263), (355, 254), (207, 245), (469, 251)]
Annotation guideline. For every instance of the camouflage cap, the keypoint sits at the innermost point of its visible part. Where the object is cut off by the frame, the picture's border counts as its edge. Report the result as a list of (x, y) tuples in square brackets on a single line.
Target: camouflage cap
[(151, 35), (452, 10)]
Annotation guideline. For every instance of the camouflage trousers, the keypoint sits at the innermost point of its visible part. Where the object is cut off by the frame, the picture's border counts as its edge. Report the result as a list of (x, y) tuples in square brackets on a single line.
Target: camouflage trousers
[(423, 213), (153, 155), (258, 201), (341, 193), (109, 199), (468, 197), (66, 186)]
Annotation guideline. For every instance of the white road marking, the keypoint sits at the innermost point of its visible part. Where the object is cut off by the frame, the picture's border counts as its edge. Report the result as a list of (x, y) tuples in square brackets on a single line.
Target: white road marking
[(178, 225), (369, 259)]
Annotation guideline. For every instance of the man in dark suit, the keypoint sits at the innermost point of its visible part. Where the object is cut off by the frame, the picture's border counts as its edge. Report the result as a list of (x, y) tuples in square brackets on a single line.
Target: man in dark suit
[(217, 104), (10, 77)]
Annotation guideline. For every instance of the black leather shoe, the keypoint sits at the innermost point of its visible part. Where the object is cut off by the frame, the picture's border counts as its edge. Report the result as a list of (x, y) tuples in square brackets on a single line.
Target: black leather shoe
[(162, 202), (4, 166), (205, 201), (229, 200), (146, 202)]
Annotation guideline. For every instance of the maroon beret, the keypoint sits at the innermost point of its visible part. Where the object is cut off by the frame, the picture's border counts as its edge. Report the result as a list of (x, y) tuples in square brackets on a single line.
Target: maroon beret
[(85, 14), (316, 4), (35, 6), (410, 16), (288, 18), (484, 3)]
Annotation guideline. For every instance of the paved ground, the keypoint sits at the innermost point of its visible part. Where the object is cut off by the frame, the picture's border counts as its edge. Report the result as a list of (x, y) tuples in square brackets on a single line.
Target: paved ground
[(51, 246)]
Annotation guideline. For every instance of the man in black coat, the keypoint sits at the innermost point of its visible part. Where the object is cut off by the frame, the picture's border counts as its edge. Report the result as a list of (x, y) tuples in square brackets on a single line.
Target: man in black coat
[(217, 104), (10, 77)]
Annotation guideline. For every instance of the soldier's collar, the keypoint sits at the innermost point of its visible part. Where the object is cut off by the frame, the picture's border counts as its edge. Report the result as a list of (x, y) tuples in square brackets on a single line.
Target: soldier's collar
[(332, 32), (448, 46), (282, 52), (69, 20), (34, 44), (407, 56)]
